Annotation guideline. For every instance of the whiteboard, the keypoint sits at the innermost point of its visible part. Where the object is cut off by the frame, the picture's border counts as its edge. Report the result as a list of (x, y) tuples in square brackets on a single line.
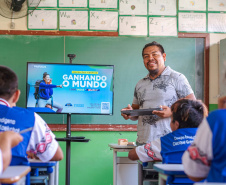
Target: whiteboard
[(193, 5), (103, 20), (42, 3), (42, 19), (217, 22), (133, 7), (192, 22), (103, 3), (217, 5), (73, 20), (162, 7), (72, 3), (131, 25), (162, 26)]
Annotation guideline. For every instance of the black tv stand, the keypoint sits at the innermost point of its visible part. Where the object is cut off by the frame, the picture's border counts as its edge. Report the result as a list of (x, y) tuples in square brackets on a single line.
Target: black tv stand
[(68, 140)]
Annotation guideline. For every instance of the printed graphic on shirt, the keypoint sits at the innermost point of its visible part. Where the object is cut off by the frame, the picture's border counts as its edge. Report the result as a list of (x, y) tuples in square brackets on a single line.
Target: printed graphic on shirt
[(197, 155), (43, 145), (150, 120), (161, 83), (148, 149), (183, 92), (140, 96), (171, 101)]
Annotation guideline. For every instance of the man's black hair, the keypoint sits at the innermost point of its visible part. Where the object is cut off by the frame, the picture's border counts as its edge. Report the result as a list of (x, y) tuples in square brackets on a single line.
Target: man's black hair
[(8, 82), (154, 43), (189, 113)]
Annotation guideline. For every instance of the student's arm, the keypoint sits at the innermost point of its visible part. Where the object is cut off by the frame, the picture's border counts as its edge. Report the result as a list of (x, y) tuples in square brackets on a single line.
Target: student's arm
[(133, 155), (222, 102), (58, 155), (42, 142), (148, 152), (197, 158), (8, 140)]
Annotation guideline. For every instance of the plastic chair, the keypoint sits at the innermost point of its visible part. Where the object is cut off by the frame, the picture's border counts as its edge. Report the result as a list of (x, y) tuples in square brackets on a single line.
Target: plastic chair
[(175, 158)]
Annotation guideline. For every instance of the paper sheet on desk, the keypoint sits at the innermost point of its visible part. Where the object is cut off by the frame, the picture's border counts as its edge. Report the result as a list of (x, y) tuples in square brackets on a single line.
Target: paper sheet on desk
[(120, 146)]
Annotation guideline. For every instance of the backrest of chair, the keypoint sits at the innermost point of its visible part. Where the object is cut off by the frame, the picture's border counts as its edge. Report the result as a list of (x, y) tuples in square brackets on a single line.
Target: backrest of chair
[(17, 160), (172, 157)]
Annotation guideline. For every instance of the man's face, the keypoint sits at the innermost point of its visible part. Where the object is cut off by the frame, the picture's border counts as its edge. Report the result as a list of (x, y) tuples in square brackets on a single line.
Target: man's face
[(154, 60)]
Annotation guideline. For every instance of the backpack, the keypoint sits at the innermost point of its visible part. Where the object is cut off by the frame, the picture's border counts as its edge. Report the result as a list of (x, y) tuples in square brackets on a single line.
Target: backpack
[(37, 83)]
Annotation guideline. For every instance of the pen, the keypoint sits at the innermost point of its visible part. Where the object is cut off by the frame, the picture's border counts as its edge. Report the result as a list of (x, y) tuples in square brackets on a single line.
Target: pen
[(26, 130)]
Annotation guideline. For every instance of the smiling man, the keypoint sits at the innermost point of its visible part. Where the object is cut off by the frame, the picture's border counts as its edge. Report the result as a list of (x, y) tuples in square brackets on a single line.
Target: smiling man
[(162, 86)]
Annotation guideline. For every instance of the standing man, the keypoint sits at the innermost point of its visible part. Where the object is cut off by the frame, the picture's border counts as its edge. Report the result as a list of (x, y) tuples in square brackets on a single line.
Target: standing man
[(162, 86)]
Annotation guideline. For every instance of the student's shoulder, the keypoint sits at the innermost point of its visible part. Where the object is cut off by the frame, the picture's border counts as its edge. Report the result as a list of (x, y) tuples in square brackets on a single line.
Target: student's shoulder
[(22, 110)]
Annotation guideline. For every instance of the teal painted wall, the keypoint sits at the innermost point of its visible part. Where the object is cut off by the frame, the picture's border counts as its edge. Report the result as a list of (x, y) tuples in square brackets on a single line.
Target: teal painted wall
[(92, 162)]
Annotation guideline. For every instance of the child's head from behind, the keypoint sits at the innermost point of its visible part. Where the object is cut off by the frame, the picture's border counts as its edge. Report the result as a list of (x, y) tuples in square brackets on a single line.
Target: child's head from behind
[(187, 113), (8, 83)]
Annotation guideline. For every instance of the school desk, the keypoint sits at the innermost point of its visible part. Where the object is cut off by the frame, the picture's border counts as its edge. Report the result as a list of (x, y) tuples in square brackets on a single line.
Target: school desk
[(124, 170), (15, 174), (169, 173), (209, 183), (49, 172)]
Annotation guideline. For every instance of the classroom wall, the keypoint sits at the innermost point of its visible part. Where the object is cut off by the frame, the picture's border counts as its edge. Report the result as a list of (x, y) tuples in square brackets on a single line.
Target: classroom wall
[(21, 24), (98, 169)]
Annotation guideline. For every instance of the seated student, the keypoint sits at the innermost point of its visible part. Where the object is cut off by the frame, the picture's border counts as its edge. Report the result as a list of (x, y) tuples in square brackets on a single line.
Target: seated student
[(8, 140), (186, 117), (206, 157), (40, 141)]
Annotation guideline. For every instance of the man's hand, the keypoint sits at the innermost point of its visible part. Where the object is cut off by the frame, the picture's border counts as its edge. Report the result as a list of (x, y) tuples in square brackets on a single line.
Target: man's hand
[(222, 102), (165, 113), (126, 117)]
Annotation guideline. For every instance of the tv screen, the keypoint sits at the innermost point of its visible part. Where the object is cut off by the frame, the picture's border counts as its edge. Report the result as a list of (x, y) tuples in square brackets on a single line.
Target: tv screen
[(70, 88)]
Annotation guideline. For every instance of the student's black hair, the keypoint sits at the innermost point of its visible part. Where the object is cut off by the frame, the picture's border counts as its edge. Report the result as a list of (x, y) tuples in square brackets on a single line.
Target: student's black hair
[(45, 74), (8, 82), (154, 43), (189, 113)]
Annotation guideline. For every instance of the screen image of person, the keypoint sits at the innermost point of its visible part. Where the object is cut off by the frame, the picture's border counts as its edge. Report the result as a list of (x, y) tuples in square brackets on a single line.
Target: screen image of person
[(162, 86), (45, 94)]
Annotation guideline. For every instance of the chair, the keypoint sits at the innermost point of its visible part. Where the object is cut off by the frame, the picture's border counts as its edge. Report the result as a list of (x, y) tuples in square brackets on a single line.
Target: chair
[(21, 161), (175, 157), (44, 172)]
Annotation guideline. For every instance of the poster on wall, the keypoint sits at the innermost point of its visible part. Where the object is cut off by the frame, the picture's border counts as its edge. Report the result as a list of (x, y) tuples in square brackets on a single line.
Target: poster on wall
[(131, 25), (73, 20), (73, 3), (192, 5), (162, 7), (216, 22), (40, 3), (43, 19), (133, 7), (103, 20), (103, 3), (216, 5), (192, 22), (162, 26)]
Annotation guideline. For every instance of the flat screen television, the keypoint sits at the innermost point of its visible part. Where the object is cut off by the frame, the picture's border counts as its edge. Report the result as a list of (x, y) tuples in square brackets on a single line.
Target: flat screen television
[(70, 88)]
